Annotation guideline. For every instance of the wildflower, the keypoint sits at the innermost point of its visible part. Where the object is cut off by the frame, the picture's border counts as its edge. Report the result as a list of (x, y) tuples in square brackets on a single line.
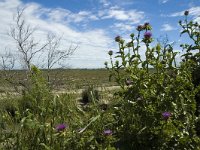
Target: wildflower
[(110, 53), (107, 132), (186, 13), (60, 127), (166, 115), (139, 28), (118, 38), (147, 35)]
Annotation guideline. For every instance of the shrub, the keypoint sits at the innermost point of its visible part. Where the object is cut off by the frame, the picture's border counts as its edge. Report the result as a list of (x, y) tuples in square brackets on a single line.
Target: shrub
[(192, 55), (89, 95), (47, 121), (147, 97), (154, 109)]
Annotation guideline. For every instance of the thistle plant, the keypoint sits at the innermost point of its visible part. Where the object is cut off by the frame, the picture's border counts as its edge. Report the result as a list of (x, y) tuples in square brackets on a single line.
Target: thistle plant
[(192, 30), (157, 107), (191, 57)]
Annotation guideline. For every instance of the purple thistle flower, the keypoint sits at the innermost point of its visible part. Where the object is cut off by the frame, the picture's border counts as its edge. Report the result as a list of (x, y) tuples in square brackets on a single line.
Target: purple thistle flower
[(166, 115), (147, 35), (107, 132), (60, 127)]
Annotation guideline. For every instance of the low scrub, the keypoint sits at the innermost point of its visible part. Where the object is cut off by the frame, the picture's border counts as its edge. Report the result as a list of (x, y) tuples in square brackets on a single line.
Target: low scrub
[(153, 110)]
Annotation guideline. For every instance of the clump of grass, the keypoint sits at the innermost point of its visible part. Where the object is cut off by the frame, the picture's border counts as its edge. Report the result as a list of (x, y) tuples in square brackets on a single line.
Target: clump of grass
[(90, 94), (9, 105)]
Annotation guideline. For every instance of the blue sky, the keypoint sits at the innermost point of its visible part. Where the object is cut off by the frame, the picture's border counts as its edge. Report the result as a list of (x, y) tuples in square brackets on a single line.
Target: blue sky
[(93, 24)]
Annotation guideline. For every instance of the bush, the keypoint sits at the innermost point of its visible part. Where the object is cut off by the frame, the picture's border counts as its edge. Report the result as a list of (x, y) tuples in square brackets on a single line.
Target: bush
[(192, 56), (89, 95), (157, 109)]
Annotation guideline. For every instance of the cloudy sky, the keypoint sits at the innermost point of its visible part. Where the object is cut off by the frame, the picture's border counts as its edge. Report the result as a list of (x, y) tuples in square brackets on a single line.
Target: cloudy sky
[(93, 24)]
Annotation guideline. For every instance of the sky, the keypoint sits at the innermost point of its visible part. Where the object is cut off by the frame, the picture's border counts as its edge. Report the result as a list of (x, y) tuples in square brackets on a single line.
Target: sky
[(92, 25)]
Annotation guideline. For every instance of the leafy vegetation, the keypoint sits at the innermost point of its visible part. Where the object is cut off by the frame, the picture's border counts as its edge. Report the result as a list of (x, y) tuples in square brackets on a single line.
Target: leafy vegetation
[(152, 110)]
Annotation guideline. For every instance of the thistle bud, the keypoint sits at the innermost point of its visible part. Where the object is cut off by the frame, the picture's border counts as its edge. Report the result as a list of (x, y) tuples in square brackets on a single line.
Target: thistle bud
[(117, 63), (110, 52), (147, 26), (186, 13), (118, 38), (106, 63), (121, 41), (140, 28), (132, 35), (158, 47)]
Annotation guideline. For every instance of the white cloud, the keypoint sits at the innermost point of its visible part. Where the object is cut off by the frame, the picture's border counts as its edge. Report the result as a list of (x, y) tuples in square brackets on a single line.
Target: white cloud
[(118, 14), (124, 28), (193, 11), (120, 3), (163, 1), (65, 16), (124, 20), (92, 44), (132, 16), (11, 4), (167, 27), (105, 3), (58, 14)]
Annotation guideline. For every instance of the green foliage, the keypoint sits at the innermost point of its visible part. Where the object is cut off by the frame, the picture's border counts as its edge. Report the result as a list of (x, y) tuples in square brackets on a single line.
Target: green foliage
[(192, 56), (146, 95), (36, 95), (156, 107), (34, 125), (89, 95)]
